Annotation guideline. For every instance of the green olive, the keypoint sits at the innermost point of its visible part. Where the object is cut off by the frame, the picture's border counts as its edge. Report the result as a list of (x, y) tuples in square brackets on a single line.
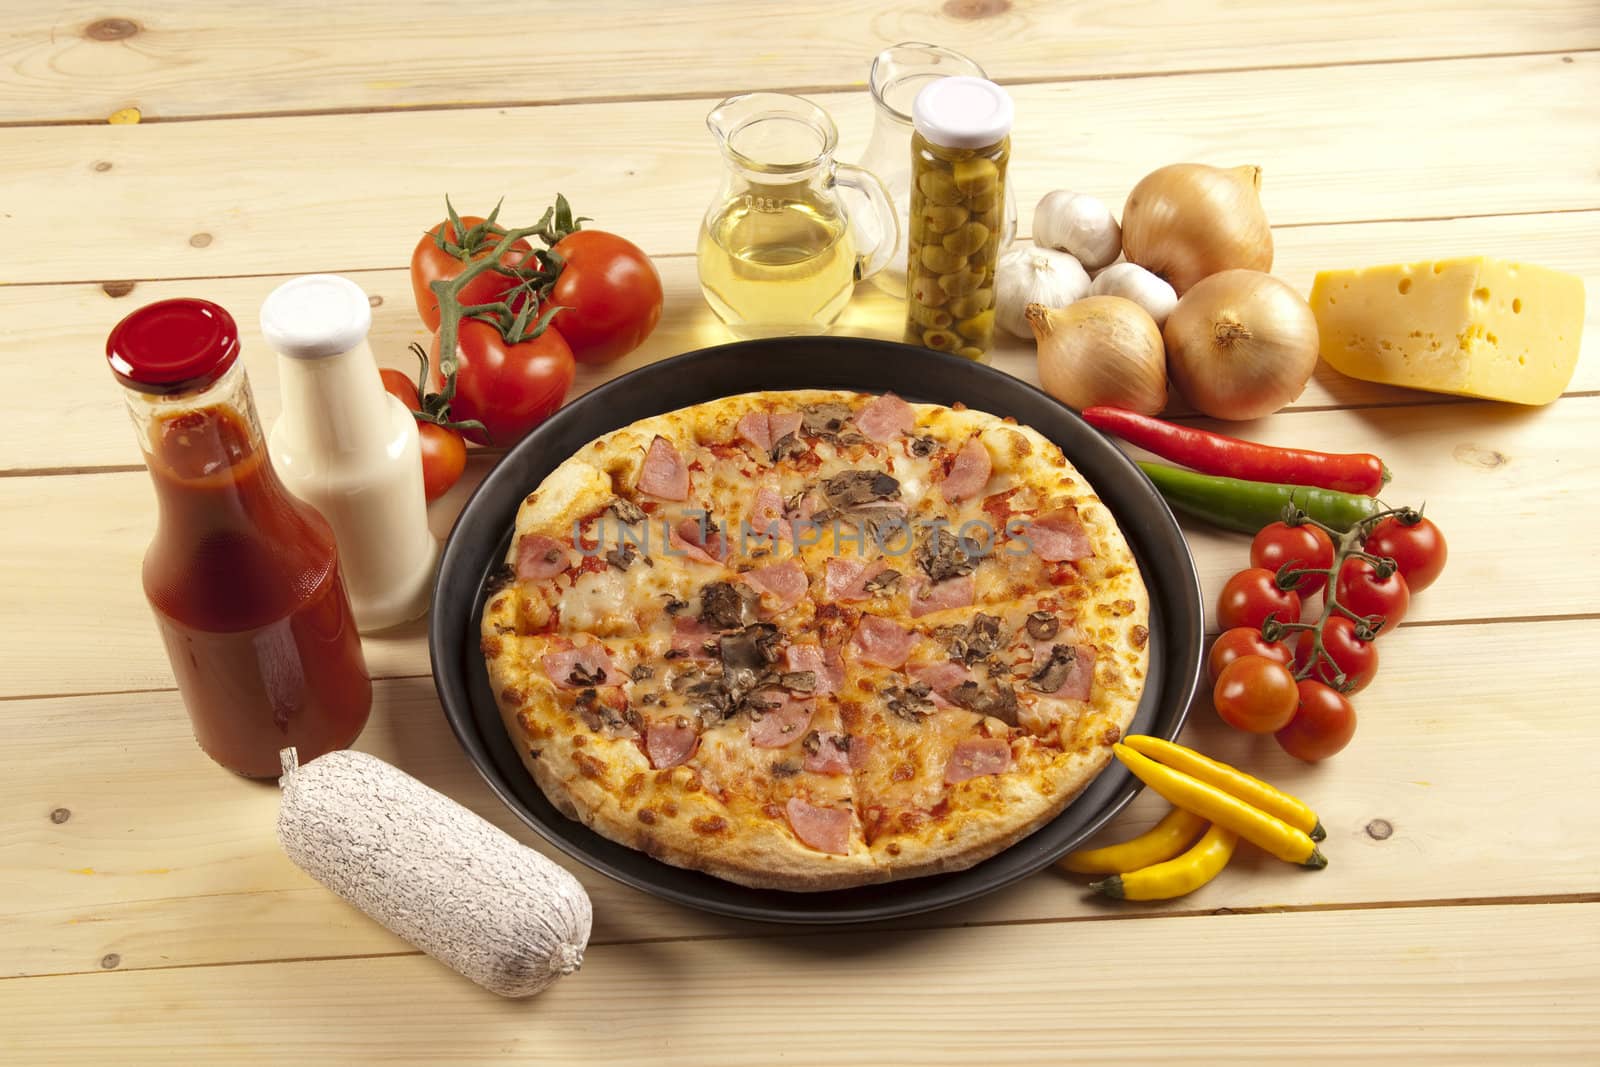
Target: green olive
[(977, 327), (936, 259), (966, 306), (967, 240), (923, 315), (941, 218), (938, 187), (926, 290), (985, 203), (940, 340), (959, 282), (975, 176), (970, 352)]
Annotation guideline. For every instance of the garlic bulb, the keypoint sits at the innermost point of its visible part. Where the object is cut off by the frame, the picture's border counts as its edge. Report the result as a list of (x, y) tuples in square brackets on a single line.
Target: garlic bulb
[(1133, 282), (1035, 276), (1101, 350), (1077, 224), (1187, 221)]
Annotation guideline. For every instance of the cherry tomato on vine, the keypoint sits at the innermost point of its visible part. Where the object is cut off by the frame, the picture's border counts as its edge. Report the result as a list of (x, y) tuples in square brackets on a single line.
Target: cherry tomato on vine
[(509, 388), (1417, 548), (1324, 722), (610, 294), (431, 263), (1245, 641), (1303, 546), (1256, 695), (444, 453), (1356, 659), (1361, 590), (1251, 595)]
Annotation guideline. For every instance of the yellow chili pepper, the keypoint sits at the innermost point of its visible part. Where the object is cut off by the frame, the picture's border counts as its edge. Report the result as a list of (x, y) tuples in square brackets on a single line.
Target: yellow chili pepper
[(1162, 841), (1210, 803), (1175, 877), (1230, 780)]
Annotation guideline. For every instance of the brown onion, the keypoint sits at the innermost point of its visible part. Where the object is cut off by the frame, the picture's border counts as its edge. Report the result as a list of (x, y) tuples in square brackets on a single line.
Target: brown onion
[(1241, 344), (1188, 220), (1101, 350)]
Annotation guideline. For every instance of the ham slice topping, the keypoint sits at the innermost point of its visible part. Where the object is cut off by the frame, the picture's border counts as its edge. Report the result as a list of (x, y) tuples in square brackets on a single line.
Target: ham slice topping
[(824, 829), (976, 756), (691, 636), (846, 579), (881, 418), (1065, 671), (941, 596), (663, 472), (827, 752), (1058, 536), (582, 667), (765, 429), (881, 642), (539, 557), (766, 513), (940, 678), (784, 724), (826, 665), (969, 471), (784, 583), (687, 539), (668, 745)]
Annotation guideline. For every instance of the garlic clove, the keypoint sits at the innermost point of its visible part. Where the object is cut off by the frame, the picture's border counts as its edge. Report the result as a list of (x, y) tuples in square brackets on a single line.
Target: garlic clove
[(1035, 276), (1079, 225), (1133, 282)]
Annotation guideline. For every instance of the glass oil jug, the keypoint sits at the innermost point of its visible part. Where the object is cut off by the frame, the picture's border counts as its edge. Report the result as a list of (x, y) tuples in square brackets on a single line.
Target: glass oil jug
[(776, 253), (899, 73)]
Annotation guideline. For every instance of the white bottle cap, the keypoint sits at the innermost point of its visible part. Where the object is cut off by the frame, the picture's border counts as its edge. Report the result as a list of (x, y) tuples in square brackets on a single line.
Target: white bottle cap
[(963, 112), (316, 316)]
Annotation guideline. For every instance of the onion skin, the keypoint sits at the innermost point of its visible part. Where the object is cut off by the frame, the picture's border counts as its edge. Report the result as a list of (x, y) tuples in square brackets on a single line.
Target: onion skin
[(1101, 350), (1241, 344), (1187, 221)]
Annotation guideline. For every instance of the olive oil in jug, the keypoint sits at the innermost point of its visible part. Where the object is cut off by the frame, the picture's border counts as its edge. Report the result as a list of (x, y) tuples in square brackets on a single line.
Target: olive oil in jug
[(771, 265)]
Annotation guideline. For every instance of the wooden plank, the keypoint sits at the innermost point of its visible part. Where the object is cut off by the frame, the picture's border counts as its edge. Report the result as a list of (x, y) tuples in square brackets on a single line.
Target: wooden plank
[(71, 62), (649, 169), (1438, 985), (76, 318), (165, 860), (1490, 475)]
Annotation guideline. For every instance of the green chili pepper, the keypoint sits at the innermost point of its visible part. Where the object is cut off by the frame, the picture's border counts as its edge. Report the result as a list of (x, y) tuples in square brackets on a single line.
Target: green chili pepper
[(1235, 504)]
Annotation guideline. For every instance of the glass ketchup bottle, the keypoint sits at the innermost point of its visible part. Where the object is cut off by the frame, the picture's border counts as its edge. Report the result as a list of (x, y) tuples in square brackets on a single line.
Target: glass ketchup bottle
[(244, 578)]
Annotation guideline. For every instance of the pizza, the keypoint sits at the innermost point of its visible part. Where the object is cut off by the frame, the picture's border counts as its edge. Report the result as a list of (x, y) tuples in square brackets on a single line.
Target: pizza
[(816, 639)]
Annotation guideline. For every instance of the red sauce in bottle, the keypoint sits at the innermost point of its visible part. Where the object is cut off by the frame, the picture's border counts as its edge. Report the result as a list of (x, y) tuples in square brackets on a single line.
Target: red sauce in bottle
[(245, 583)]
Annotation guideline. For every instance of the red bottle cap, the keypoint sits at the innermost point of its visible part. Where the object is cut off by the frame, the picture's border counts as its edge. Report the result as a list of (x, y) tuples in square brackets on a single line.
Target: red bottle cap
[(173, 346)]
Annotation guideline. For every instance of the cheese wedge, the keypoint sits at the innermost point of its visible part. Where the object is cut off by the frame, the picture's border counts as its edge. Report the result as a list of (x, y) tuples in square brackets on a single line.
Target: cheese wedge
[(1473, 326)]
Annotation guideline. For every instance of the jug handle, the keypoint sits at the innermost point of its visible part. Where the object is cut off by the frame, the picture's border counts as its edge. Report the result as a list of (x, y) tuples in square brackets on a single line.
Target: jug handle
[(876, 193)]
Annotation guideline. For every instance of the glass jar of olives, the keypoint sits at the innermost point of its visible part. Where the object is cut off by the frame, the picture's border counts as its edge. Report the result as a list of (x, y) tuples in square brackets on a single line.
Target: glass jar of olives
[(960, 144)]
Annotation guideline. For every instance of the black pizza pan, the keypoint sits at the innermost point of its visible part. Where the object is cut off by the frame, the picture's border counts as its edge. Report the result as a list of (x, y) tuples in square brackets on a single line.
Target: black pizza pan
[(478, 544)]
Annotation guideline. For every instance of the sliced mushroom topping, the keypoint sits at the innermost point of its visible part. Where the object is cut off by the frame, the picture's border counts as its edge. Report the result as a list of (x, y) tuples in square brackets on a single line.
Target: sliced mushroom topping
[(853, 488), (787, 445), (587, 705), (799, 681), (1053, 673), (582, 675), (626, 511), (642, 672), (674, 605), (943, 555), (881, 582), (623, 556), (973, 642), (910, 702), (754, 648), (923, 446), (827, 419), (1043, 625), (724, 606), (499, 578), (786, 768), (996, 699)]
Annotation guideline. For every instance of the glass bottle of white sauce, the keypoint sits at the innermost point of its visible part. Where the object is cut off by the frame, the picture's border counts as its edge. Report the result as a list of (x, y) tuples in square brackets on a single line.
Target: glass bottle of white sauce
[(348, 448)]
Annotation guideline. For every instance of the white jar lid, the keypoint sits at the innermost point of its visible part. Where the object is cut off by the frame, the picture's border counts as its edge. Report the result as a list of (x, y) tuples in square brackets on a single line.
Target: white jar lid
[(963, 112), (315, 316)]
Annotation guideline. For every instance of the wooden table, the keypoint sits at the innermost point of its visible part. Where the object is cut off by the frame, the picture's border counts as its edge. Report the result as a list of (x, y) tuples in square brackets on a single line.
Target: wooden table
[(146, 913)]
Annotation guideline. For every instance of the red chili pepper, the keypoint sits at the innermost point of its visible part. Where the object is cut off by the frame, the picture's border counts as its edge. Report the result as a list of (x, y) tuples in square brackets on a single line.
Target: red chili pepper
[(1213, 453)]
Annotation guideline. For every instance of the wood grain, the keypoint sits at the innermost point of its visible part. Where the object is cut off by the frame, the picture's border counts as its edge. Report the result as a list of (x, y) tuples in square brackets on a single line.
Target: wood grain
[(71, 62), (165, 860), (1490, 475), (75, 318), (1336, 145), (1436, 985)]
